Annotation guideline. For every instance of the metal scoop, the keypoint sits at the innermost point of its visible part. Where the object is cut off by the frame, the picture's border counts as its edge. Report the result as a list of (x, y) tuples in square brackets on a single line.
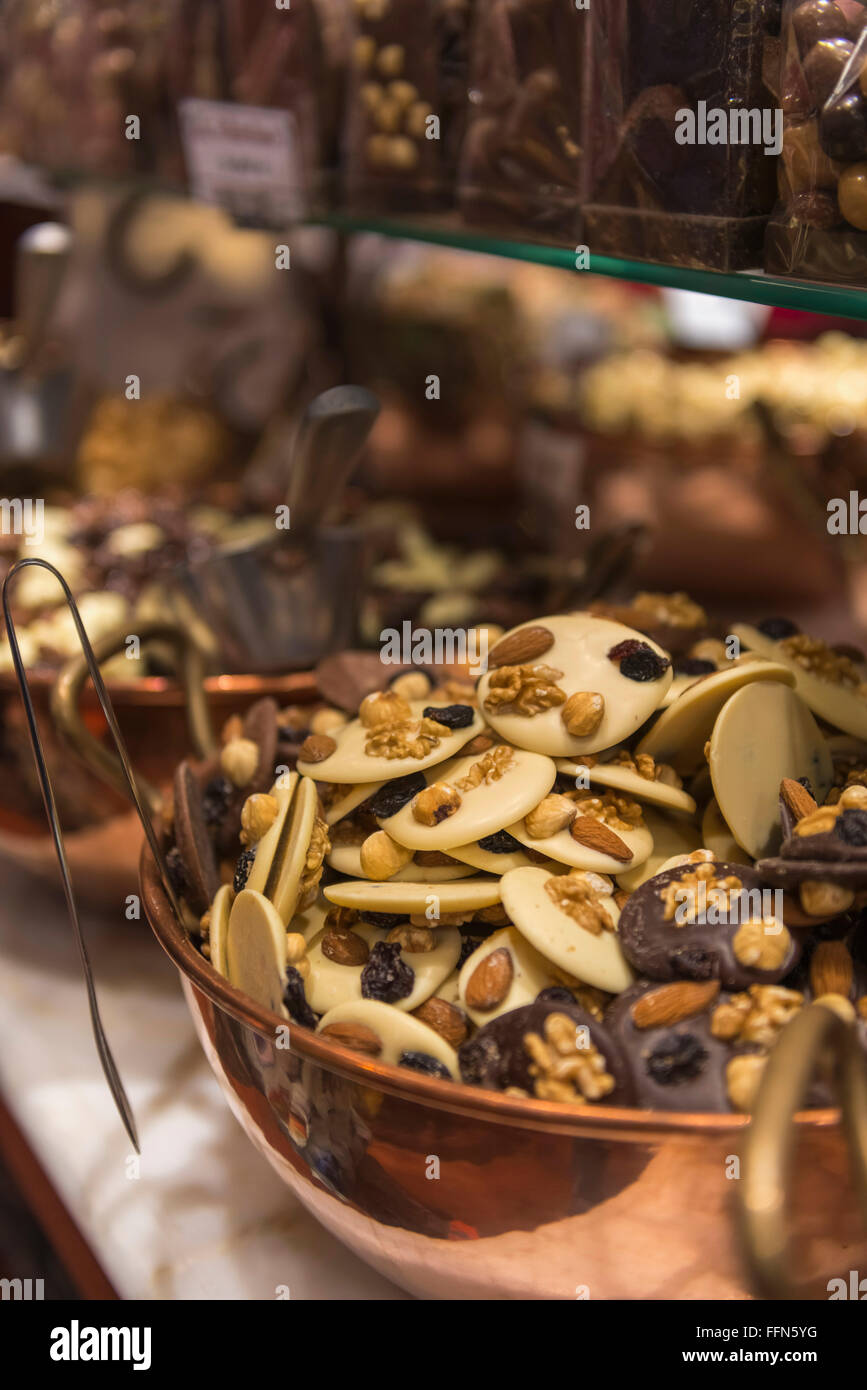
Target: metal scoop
[(286, 601)]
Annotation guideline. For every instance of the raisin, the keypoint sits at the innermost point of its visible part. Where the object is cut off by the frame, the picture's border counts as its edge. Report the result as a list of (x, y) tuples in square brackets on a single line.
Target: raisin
[(693, 666), (176, 871), (676, 1057), (693, 963), (480, 1060), (394, 795), (555, 994), (453, 716), (468, 945), (385, 976), (644, 666), (242, 869), (501, 842), (215, 802), (422, 1061), (385, 920), (296, 1000), (778, 628), (627, 648), (851, 827)]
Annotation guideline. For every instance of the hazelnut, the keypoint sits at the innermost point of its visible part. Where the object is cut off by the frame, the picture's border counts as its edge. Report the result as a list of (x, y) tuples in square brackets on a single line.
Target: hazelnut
[(403, 92), (371, 94), (412, 685), (325, 721), (854, 797), (444, 1018), (416, 119), (258, 814), (381, 856), (435, 803), (416, 940), (762, 945), (383, 707), (233, 728), (389, 59), (316, 748), (296, 947), (376, 149), (582, 713), (302, 966), (743, 1075), (822, 899), (363, 51), (402, 153), (239, 760), (554, 812), (388, 115)]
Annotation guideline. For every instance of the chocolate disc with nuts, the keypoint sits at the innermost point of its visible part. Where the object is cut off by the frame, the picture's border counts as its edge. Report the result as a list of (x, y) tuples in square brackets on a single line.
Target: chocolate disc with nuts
[(651, 783), (572, 684), (472, 796), (707, 921), (834, 686), (503, 973), (571, 919), (389, 740), (597, 836), (467, 895), (401, 1038), (671, 835), (193, 842), (337, 966)]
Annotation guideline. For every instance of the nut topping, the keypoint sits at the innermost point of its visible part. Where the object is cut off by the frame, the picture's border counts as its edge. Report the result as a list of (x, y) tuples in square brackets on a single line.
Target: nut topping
[(316, 748), (357, 1036), (490, 981), (445, 1019), (762, 945), (553, 813), (381, 856), (581, 899), (524, 645), (524, 690), (670, 1003), (582, 713), (345, 947), (797, 798), (436, 803), (593, 834), (831, 969)]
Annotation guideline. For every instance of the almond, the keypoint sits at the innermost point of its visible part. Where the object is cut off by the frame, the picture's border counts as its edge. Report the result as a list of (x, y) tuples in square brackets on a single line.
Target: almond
[(593, 834), (445, 1019), (524, 645), (797, 798), (621, 898), (670, 1003), (582, 713), (354, 1035), (489, 983), (316, 748), (345, 947), (831, 970), (480, 744)]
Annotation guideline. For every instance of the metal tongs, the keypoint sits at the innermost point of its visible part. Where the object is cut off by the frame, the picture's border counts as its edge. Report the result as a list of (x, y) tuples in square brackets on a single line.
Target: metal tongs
[(109, 1067)]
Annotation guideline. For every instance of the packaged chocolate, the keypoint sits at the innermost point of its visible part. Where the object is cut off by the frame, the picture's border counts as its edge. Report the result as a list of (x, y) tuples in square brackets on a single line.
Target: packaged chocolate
[(406, 103), (521, 160), (819, 230), (681, 130)]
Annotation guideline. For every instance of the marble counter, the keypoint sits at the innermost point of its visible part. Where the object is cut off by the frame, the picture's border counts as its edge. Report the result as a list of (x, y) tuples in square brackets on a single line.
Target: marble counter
[(200, 1215)]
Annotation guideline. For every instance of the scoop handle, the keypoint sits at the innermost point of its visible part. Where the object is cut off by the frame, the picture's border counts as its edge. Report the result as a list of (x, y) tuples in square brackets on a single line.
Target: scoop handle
[(331, 434)]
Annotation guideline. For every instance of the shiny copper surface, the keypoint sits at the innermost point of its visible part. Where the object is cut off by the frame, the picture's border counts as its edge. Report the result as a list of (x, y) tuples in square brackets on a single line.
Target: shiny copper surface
[(462, 1193)]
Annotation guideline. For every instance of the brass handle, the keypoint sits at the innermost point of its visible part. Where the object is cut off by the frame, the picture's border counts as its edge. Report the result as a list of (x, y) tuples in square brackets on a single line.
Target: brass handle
[(769, 1149), (66, 696)]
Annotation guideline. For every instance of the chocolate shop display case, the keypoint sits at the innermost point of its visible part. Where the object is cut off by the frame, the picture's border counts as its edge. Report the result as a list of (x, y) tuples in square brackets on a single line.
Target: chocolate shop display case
[(424, 799)]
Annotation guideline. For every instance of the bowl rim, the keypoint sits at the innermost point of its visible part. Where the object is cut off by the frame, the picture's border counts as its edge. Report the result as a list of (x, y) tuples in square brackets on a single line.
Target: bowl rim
[(147, 691), (605, 1121)]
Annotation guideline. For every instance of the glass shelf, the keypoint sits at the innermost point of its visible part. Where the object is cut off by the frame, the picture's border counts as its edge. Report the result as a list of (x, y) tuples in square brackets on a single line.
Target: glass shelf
[(840, 301)]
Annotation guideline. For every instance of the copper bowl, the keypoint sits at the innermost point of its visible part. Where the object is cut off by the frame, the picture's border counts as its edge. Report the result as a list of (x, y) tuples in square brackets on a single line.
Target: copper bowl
[(460, 1193)]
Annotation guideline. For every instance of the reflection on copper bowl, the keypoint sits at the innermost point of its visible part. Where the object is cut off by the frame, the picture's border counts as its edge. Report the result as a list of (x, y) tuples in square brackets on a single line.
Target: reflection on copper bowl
[(103, 838), (460, 1193)]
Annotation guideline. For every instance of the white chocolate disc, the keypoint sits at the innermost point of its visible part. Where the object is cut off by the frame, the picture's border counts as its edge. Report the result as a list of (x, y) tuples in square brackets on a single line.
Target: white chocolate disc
[(218, 930), (346, 859), (311, 921), (764, 733), (256, 950), (490, 863), (330, 984), (716, 836), (283, 885), (836, 704), (350, 800), (531, 972), (580, 650), (397, 1031), (595, 960), (449, 990), (467, 895), (350, 763), (671, 835), (611, 774), (680, 733), (266, 848), (566, 850), (526, 778)]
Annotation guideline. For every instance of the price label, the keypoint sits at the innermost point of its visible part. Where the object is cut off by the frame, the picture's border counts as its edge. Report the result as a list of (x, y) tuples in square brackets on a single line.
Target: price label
[(244, 158)]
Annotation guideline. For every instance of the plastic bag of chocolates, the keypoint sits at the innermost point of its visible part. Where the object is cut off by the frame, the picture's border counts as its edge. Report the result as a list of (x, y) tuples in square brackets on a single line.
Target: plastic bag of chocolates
[(406, 104), (819, 230), (680, 128), (520, 167)]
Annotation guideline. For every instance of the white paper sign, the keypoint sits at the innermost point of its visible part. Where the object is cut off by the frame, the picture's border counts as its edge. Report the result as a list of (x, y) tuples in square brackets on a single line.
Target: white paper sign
[(244, 158)]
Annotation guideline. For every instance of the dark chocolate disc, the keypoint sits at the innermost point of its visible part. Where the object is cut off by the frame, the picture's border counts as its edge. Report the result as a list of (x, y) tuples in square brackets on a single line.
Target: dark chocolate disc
[(193, 841)]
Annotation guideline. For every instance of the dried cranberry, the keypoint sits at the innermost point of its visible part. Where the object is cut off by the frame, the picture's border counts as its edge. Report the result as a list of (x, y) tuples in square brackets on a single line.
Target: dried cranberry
[(215, 801), (693, 666), (422, 1061), (778, 628), (644, 666), (385, 920), (627, 648), (394, 795), (676, 1057), (242, 869), (453, 716), (851, 827), (468, 945), (501, 842), (385, 976), (556, 994), (296, 1000)]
